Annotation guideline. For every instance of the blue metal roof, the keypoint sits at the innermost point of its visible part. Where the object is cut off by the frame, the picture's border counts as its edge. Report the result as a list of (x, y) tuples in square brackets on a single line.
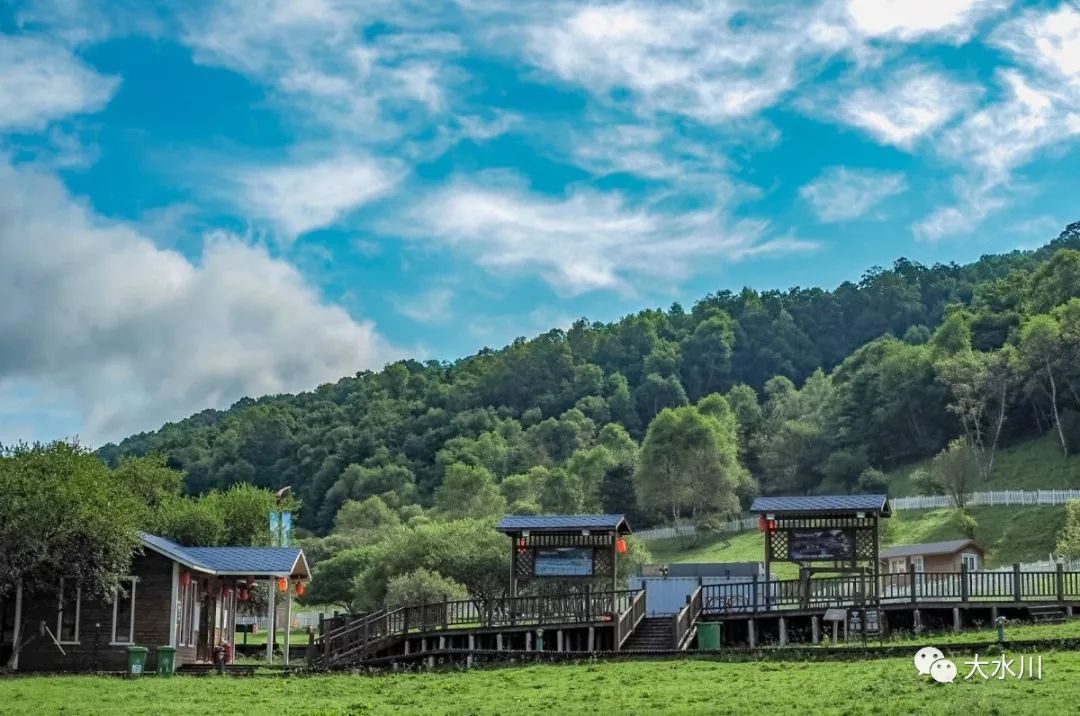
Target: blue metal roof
[(562, 523), (822, 503), (247, 559), (240, 561)]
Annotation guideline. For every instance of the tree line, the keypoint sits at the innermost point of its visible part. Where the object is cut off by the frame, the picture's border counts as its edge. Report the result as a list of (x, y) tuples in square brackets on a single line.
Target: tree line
[(826, 390), (666, 416)]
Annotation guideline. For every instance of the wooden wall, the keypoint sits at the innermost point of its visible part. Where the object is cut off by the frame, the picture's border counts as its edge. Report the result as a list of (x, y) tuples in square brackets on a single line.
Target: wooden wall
[(154, 611)]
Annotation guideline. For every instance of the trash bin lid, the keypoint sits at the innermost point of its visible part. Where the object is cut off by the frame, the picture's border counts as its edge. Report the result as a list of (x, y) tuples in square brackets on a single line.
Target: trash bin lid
[(138, 649), (166, 648)]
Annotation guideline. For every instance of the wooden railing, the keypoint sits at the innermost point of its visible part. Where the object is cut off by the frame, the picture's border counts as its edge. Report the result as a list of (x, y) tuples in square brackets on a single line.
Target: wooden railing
[(683, 622), (350, 637), (629, 619), (911, 586)]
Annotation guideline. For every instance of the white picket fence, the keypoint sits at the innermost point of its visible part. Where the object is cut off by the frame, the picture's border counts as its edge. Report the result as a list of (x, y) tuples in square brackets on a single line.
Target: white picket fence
[(301, 620), (998, 498), (1048, 565)]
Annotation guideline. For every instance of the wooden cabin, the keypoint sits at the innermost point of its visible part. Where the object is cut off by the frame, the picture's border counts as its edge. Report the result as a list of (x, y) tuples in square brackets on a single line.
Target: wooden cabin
[(184, 597), (950, 556)]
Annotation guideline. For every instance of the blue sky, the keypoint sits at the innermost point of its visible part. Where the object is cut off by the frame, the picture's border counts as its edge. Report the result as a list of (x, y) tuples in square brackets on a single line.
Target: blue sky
[(205, 200)]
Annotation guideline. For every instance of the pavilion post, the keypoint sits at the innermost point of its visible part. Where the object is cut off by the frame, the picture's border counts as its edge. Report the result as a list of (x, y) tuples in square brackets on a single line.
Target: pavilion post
[(270, 609), (513, 565), (614, 565), (877, 564), (288, 625), (768, 565)]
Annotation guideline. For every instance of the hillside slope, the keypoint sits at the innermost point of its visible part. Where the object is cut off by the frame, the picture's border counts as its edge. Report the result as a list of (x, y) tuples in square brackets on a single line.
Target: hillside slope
[(1036, 464), (826, 387), (1009, 534)]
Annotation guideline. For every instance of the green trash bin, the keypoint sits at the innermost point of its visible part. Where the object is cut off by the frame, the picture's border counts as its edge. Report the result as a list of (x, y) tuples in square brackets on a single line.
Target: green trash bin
[(137, 660), (166, 660), (708, 636)]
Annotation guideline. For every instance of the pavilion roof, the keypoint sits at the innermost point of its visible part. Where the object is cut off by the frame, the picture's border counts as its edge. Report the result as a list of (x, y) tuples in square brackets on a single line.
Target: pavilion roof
[(563, 523), (812, 505)]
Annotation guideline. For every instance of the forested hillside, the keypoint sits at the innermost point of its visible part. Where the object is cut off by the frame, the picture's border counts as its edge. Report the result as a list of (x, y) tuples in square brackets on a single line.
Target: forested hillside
[(821, 390)]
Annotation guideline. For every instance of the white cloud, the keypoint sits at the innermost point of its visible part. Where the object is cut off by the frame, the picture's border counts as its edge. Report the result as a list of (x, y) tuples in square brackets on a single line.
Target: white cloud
[(429, 307), (912, 19), (974, 203), (700, 61), (651, 152), (909, 106), (1049, 42), (316, 55), (843, 194), (137, 335), (301, 197), (1038, 109), (41, 81), (585, 241), (1006, 134)]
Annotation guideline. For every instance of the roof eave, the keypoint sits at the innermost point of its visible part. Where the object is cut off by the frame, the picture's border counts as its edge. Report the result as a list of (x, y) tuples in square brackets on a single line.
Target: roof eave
[(179, 559)]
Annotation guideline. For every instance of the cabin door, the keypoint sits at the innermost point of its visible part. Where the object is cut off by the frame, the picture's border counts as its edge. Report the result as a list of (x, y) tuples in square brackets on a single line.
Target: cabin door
[(204, 649)]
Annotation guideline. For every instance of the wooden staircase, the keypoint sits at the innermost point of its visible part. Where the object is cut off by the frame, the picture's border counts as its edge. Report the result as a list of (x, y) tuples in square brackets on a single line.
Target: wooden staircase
[(668, 633), (1047, 614), (652, 634)]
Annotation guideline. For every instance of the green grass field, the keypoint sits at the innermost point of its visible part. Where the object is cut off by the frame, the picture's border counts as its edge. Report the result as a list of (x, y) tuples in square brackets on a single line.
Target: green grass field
[(298, 636), (1010, 534), (1014, 632), (1030, 465), (688, 686)]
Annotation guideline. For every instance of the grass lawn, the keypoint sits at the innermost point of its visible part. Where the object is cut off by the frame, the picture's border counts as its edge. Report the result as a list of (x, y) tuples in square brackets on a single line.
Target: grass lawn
[(1014, 631), (297, 637), (1030, 465), (688, 686), (1010, 534)]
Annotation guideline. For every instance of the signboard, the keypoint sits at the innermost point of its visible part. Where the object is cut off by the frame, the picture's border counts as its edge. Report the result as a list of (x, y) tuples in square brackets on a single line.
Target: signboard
[(835, 615), (563, 562), (281, 528), (873, 623), (829, 545), (286, 529)]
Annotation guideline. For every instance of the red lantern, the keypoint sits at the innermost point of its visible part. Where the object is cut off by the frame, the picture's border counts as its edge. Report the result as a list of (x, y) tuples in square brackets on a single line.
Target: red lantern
[(761, 523), (620, 546), (299, 589), (522, 545), (282, 585), (772, 525)]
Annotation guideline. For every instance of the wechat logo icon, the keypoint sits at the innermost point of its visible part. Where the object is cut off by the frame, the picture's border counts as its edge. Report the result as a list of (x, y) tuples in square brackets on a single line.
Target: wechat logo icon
[(930, 661)]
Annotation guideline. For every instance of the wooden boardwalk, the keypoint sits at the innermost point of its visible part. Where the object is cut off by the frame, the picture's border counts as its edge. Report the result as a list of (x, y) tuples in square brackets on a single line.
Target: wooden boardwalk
[(599, 623)]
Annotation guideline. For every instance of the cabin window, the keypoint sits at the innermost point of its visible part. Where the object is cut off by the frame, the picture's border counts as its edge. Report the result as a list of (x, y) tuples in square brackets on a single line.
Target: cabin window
[(897, 565), (69, 603), (187, 617), (124, 612), (970, 560), (917, 560)]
